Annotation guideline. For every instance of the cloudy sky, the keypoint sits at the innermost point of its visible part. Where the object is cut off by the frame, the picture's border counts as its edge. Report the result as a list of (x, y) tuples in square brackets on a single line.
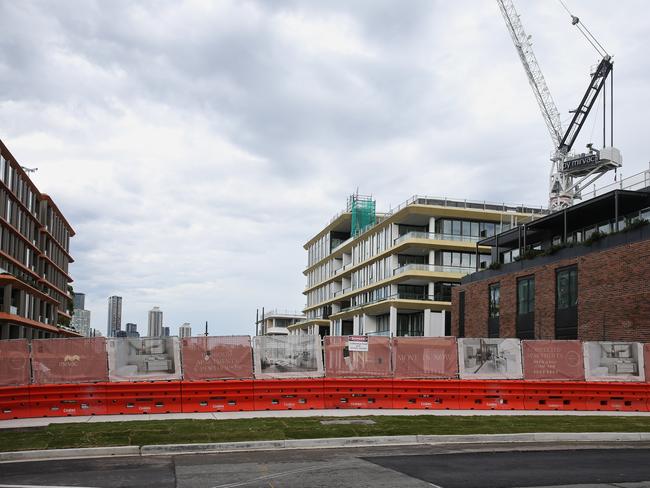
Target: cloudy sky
[(196, 146)]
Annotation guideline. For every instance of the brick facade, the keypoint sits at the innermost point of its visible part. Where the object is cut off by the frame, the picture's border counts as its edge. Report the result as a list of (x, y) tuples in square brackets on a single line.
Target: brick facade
[(613, 296)]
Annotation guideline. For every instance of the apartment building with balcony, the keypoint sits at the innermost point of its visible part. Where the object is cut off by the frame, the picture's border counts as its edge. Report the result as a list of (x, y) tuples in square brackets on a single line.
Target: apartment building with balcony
[(394, 274), (35, 301), (277, 322)]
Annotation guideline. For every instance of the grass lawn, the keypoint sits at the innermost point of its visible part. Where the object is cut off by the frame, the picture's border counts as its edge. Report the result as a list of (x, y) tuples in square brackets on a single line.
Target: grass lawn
[(139, 433)]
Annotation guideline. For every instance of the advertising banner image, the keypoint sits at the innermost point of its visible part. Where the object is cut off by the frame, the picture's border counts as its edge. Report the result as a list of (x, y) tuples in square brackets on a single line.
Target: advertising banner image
[(646, 360), (74, 360), (357, 356), (553, 360), (293, 356), (490, 358), (425, 357), (14, 362), (614, 361), (213, 358), (144, 359)]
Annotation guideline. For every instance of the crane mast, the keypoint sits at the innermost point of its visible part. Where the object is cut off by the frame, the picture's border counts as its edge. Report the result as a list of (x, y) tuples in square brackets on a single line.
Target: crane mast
[(568, 174)]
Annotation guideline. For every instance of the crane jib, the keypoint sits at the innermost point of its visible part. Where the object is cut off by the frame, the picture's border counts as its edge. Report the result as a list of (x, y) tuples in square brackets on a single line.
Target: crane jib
[(586, 104)]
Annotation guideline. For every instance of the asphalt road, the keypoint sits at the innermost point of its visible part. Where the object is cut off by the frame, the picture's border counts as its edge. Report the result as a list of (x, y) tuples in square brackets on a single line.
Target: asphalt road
[(404, 467)]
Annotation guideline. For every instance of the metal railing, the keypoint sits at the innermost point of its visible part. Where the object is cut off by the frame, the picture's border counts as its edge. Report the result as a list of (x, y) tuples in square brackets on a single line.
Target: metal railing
[(433, 268), (342, 291), (435, 236), (638, 181), (456, 203)]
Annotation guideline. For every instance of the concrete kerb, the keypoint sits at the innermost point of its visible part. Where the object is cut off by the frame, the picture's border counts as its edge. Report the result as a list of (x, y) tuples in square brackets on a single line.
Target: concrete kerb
[(327, 443)]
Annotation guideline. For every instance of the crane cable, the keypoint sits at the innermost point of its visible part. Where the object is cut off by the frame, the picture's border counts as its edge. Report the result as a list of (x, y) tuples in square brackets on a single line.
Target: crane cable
[(585, 32)]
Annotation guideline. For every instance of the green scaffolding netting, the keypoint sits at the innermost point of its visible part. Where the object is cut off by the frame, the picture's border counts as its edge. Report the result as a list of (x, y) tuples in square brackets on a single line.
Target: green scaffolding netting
[(363, 213)]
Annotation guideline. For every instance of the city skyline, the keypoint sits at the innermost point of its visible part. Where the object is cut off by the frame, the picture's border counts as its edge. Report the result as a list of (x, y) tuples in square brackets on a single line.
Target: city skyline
[(200, 196)]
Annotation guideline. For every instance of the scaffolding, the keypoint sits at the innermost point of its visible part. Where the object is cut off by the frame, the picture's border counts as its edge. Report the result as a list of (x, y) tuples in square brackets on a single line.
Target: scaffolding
[(362, 208)]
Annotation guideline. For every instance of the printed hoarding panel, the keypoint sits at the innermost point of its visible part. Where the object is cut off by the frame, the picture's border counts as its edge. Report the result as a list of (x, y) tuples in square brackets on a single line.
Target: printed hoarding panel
[(345, 356), (614, 361), (553, 360), (425, 357), (144, 358), (212, 358), (490, 359), (646, 361), (73, 360), (14, 362), (293, 356)]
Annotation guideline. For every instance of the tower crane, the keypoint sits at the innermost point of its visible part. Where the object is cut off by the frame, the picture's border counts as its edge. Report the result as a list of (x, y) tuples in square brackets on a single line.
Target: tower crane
[(569, 172)]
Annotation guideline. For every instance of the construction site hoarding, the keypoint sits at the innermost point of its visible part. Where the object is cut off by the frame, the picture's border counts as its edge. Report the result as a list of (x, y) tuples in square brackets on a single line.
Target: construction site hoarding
[(72, 360), (357, 356), (144, 359), (293, 356), (614, 361), (490, 359), (425, 357), (553, 360), (214, 358), (14, 362)]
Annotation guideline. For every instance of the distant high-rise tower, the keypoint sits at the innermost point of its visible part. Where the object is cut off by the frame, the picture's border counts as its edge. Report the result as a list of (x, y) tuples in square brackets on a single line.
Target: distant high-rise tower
[(132, 330), (79, 300), (155, 322), (185, 330), (114, 315), (165, 331), (80, 317)]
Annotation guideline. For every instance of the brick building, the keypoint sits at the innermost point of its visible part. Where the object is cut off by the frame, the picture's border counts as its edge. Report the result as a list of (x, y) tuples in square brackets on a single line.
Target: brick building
[(579, 273)]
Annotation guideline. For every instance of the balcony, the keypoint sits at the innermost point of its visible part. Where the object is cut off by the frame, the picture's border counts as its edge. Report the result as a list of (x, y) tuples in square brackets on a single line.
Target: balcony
[(342, 291), (439, 297), (432, 268), (435, 237)]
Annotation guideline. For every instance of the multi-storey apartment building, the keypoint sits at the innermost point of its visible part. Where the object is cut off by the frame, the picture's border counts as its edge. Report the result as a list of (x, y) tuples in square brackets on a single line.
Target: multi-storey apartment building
[(35, 301), (277, 322), (394, 274), (81, 316)]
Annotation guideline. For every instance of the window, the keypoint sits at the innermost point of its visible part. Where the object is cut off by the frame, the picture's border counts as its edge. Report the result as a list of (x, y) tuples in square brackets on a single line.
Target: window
[(494, 298), (526, 295), (567, 288)]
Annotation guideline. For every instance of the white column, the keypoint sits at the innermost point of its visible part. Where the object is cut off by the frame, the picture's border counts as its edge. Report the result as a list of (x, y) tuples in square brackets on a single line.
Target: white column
[(392, 321), (355, 325), (427, 323), (432, 225), (437, 321)]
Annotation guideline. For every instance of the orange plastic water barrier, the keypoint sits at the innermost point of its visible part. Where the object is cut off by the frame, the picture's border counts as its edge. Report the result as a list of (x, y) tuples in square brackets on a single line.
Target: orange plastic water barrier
[(491, 395), (426, 394), (143, 397), (630, 397), (298, 394), (217, 396), (555, 395), (14, 402), (358, 393), (67, 400)]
